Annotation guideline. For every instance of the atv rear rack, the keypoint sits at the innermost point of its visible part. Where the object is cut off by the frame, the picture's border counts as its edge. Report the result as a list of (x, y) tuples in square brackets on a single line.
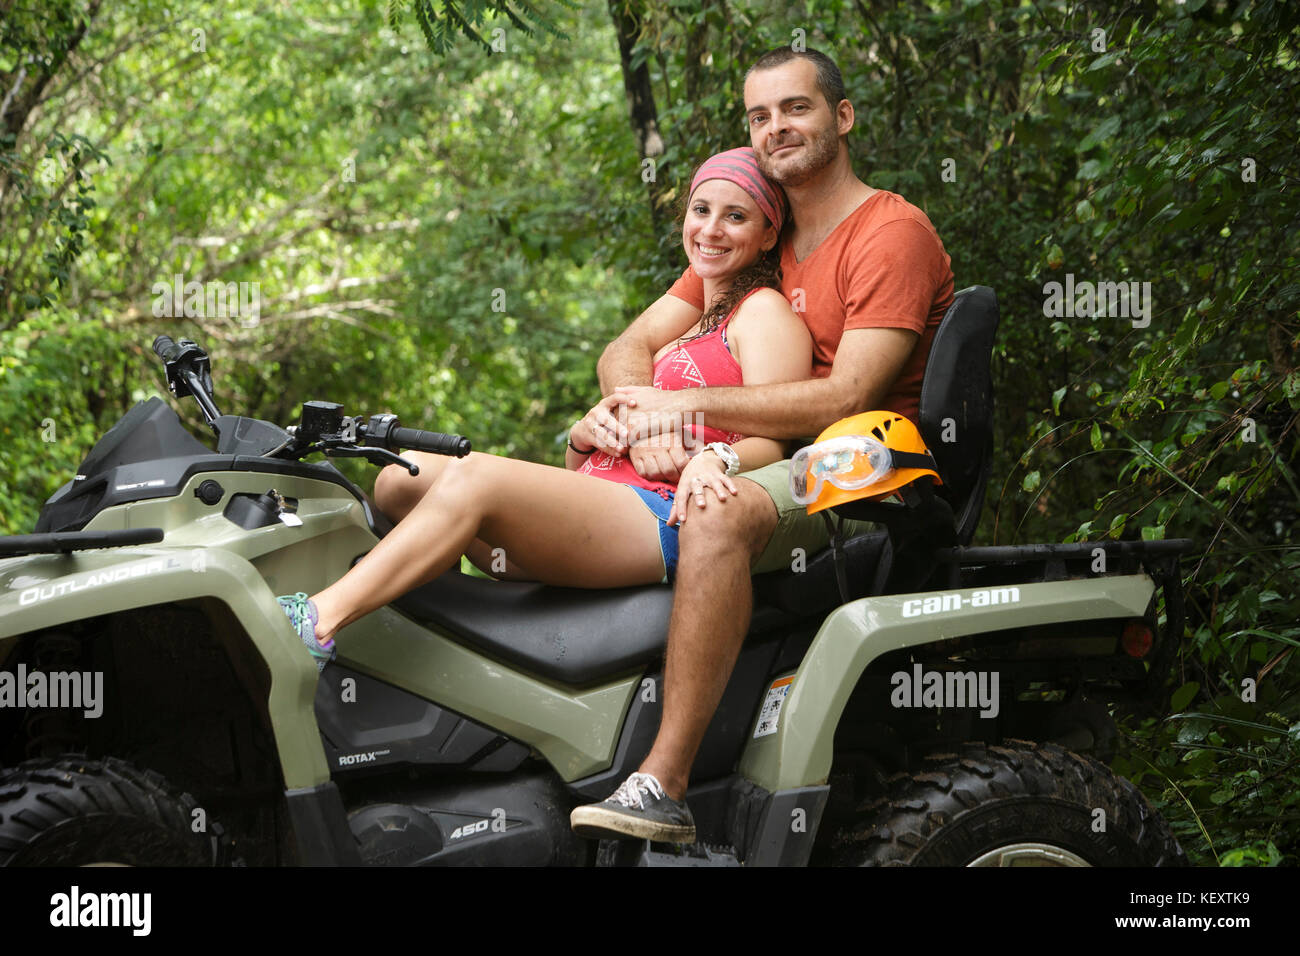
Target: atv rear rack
[(1063, 562)]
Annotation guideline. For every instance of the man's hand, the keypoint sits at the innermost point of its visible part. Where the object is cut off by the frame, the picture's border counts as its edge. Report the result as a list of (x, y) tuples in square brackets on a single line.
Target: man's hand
[(660, 458), (650, 411)]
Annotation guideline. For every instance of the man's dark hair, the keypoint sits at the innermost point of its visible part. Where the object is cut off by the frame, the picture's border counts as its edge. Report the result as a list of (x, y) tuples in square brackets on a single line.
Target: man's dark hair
[(829, 80)]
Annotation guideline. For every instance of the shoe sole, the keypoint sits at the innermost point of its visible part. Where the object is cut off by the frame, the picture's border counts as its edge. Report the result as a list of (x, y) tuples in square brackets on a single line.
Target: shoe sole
[(599, 823)]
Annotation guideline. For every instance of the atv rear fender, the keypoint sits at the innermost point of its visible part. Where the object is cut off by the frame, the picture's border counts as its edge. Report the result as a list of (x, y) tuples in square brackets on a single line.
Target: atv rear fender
[(798, 752)]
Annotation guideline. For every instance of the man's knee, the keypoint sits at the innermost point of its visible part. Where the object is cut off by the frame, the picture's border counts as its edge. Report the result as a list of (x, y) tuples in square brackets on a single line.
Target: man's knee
[(744, 522)]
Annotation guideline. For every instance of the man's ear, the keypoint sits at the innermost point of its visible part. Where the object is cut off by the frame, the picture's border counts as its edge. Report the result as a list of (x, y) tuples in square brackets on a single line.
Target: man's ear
[(844, 117)]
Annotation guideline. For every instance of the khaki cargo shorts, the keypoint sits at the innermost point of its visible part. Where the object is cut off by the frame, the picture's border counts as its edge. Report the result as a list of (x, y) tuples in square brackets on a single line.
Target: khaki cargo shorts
[(795, 528)]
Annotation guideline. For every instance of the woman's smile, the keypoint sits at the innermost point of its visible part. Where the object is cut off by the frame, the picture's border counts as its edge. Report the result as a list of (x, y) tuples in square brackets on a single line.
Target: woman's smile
[(724, 231)]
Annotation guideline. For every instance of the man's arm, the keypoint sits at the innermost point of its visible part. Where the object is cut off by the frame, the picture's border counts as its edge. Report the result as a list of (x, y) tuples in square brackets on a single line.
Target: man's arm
[(629, 359), (867, 362)]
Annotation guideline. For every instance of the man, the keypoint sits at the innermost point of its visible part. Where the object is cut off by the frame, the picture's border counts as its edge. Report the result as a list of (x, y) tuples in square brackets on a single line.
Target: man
[(869, 276)]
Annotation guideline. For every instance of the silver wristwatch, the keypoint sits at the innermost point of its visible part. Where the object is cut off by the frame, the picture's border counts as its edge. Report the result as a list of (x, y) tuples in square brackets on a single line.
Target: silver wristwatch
[(727, 454)]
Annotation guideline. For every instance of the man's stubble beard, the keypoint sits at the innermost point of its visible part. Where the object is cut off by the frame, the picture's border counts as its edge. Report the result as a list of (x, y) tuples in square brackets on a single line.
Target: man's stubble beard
[(819, 153)]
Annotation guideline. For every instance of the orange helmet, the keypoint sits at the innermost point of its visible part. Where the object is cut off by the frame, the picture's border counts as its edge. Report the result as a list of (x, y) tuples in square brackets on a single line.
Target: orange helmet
[(862, 457)]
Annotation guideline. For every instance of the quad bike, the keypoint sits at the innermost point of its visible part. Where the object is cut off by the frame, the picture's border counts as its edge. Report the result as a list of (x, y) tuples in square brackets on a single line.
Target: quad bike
[(463, 722)]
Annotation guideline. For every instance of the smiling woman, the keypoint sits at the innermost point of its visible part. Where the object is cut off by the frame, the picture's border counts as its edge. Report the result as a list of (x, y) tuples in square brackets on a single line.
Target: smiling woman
[(733, 220)]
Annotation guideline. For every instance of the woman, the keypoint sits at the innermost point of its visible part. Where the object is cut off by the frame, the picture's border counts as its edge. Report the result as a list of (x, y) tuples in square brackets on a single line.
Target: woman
[(596, 522)]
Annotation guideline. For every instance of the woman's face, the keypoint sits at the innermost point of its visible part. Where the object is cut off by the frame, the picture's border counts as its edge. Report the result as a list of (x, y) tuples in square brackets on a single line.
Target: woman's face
[(724, 231)]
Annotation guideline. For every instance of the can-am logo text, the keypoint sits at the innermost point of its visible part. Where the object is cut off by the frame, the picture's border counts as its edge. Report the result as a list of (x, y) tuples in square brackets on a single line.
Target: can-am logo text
[(952, 601)]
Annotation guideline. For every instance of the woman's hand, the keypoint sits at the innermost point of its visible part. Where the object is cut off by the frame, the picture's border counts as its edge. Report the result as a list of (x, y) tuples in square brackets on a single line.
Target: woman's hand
[(704, 473), (661, 458), (601, 429)]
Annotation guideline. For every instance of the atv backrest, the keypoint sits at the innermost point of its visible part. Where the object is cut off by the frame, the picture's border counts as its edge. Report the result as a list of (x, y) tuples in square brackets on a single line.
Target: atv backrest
[(956, 415)]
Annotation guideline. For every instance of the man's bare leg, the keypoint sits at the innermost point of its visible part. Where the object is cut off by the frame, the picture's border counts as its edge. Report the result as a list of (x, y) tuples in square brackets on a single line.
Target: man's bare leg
[(712, 606)]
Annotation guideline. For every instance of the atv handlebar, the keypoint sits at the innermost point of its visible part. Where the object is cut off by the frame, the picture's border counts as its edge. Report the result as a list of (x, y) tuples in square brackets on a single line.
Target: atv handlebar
[(322, 427), (383, 431), (188, 373), (434, 442)]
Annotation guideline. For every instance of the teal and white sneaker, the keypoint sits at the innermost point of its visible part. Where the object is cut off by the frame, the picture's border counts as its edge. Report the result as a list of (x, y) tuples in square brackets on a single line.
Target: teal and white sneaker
[(638, 809), (302, 615)]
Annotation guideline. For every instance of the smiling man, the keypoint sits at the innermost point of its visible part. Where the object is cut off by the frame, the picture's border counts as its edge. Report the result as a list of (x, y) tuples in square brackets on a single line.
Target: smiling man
[(869, 276)]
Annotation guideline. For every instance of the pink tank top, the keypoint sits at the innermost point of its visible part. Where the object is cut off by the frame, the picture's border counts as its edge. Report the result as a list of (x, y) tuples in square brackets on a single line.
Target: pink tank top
[(700, 362)]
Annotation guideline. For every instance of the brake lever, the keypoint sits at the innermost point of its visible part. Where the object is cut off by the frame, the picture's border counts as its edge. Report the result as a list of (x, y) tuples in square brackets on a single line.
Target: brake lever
[(374, 455)]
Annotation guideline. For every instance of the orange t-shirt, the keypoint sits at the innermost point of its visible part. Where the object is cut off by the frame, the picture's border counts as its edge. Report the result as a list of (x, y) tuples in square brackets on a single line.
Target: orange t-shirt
[(882, 267)]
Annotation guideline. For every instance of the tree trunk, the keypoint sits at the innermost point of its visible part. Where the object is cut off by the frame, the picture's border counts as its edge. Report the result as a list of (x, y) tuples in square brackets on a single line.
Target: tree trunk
[(626, 15)]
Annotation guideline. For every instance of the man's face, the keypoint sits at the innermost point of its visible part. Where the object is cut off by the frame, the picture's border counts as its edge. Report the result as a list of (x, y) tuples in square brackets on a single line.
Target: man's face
[(791, 127)]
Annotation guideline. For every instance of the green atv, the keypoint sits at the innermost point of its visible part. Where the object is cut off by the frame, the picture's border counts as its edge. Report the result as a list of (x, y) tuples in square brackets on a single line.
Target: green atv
[(901, 698)]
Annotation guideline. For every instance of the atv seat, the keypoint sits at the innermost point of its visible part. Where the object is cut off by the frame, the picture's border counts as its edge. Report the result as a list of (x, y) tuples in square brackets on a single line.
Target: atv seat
[(574, 636), (956, 421)]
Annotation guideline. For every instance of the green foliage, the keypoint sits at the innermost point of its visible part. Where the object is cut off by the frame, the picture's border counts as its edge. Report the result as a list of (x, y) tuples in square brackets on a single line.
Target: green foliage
[(440, 21), (376, 194)]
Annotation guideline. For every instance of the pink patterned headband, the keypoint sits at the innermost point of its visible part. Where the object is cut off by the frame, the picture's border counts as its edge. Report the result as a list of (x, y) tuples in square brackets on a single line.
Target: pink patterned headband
[(740, 166)]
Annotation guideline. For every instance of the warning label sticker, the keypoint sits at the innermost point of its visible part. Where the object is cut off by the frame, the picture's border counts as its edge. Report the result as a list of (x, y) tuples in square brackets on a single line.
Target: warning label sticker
[(769, 715)]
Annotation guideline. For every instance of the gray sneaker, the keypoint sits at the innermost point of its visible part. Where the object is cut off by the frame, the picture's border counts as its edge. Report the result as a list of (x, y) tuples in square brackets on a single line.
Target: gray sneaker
[(638, 809)]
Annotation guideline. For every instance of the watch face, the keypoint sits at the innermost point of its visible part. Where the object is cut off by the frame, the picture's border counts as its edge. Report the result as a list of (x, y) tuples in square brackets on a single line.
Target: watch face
[(728, 456)]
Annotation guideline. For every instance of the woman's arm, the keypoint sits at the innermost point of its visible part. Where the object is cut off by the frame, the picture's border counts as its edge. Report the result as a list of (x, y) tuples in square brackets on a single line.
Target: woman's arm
[(770, 342), (579, 435)]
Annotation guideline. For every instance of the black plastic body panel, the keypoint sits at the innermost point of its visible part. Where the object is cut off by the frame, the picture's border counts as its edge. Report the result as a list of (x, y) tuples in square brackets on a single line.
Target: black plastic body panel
[(367, 725), (518, 819), (572, 636), (237, 435)]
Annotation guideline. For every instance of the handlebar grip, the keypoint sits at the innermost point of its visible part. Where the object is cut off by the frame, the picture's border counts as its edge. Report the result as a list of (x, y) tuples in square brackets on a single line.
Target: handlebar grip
[(162, 345), (417, 439)]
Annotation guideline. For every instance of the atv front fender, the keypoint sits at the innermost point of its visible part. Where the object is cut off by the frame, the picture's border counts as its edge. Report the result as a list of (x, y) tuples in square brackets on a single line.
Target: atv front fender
[(48, 590), (798, 752)]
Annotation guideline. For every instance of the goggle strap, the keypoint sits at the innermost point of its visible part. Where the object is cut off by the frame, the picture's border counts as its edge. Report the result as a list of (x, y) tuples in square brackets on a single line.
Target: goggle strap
[(910, 459)]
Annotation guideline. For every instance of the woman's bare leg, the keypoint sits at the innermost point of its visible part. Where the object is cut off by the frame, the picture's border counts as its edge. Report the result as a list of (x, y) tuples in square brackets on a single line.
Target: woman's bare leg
[(558, 526), (397, 492)]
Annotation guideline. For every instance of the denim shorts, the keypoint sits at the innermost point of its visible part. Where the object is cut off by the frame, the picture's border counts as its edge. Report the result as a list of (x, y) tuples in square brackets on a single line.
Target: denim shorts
[(662, 508)]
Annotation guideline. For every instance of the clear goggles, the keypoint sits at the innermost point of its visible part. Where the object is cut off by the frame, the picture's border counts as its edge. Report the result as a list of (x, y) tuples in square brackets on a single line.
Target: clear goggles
[(850, 462)]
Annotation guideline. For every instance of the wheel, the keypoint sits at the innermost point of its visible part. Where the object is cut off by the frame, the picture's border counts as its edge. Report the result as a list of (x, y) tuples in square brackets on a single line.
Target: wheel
[(1017, 804), (69, 811)]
